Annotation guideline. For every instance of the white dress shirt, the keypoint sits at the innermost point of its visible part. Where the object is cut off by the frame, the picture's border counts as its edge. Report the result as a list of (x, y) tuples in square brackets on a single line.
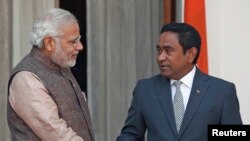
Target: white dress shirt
[(187, 82)]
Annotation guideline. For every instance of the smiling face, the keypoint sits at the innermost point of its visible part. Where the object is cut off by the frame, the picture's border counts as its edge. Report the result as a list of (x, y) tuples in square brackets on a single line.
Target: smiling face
[(172, 60), (67, 46)]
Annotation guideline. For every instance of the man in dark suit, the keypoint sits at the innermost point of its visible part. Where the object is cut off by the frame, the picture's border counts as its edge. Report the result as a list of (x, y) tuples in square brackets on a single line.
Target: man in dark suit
[(202, 99)]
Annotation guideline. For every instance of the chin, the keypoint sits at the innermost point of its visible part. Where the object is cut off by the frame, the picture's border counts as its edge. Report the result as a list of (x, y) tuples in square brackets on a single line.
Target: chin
[(68, 64), (72, 64), (164, 74)]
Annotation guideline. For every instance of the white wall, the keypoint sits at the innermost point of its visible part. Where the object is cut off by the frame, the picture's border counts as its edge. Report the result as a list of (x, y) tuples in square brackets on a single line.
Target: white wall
[(228, 28)]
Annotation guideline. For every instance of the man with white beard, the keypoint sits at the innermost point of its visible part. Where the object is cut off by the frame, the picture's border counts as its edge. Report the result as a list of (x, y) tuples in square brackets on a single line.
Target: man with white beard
[(45, 101)]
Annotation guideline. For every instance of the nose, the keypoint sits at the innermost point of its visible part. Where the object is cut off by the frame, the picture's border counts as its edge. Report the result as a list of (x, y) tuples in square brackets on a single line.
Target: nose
[(162, 56), (79, 45)]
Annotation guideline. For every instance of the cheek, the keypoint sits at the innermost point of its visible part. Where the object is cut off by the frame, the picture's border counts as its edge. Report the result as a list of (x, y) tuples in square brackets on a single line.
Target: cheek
[(175, 61), (69, 53), (69, 50), (67, 47)]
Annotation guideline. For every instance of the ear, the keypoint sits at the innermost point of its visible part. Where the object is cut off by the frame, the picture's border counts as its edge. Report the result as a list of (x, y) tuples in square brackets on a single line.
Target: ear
[(192, 52), (49, 43)]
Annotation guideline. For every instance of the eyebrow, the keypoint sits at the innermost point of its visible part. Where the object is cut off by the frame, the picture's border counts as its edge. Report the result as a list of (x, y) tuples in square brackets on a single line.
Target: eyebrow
[(167, 46), (77, 38)]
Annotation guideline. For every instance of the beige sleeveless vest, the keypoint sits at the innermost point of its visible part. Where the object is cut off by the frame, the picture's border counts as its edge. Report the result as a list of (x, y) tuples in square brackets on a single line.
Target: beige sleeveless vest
[(64, 90)]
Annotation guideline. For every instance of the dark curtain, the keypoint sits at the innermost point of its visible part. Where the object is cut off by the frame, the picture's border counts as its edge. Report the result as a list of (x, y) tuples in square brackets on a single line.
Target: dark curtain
[(78, 8)]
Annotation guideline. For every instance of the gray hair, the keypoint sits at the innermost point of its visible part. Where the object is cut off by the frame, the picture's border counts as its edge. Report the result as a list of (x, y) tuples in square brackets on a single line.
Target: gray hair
[(49, 24)]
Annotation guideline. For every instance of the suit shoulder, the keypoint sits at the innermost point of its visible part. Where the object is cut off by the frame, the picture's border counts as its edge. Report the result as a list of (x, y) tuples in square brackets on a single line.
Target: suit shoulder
[(214, 78), (154, 78), (219, 81), (151, 82)]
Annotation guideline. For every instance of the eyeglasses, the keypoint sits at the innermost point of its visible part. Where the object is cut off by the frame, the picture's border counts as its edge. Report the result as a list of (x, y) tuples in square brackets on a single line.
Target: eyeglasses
[(74, 42)]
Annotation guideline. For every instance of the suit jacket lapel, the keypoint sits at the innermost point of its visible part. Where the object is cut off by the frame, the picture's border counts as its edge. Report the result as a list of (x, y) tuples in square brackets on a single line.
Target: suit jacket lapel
[(198, 92), (165, 99)]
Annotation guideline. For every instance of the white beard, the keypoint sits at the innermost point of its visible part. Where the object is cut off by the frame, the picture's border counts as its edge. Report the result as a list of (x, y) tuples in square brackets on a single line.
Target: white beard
[(61, 58)]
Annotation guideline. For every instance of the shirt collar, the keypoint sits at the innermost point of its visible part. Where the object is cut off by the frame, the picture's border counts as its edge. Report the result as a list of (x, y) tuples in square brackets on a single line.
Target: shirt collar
[(187, 79)]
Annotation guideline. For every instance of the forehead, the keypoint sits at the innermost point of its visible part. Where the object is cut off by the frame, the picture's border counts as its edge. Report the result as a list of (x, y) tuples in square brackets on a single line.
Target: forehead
[(71, 28), (168, 38)]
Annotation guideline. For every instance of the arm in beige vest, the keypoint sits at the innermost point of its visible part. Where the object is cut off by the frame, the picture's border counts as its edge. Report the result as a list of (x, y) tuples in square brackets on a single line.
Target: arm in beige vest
[(31, 101)]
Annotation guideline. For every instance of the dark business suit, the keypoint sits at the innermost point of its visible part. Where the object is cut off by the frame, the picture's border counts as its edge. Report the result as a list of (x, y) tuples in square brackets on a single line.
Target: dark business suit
[(212, 101)]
